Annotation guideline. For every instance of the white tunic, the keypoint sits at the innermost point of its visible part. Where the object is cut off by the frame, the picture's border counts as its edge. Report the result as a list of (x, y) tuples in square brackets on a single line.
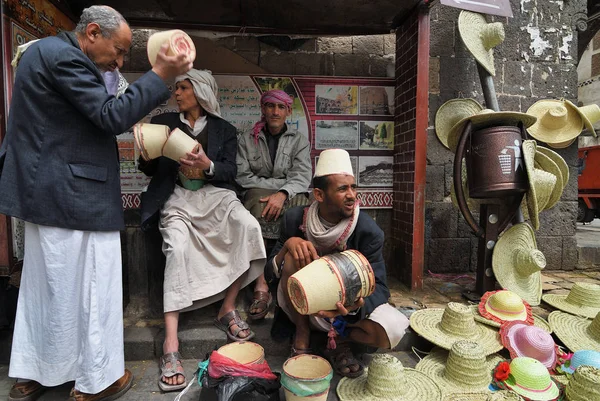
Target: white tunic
[(69, 323)]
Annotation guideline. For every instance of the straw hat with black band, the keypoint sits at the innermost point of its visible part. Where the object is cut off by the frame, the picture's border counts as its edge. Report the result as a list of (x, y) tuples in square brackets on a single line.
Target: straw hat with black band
[(452, 112), (583, 299), (577, 333), (480, 37), (558, 122)]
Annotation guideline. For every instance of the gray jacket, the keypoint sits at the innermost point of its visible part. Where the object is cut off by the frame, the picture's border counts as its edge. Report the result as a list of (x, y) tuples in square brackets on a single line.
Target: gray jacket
[(291, 172)]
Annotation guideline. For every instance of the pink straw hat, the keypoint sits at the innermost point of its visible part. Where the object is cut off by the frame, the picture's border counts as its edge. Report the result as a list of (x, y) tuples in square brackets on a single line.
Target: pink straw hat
[(522, 339)]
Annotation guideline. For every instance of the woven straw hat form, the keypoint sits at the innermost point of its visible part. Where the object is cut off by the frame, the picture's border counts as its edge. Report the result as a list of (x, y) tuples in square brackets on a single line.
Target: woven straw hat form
[(179, 42), (583, 299), (443, 327), (387, 380), (452, 112), (538, 321), (541, 184), (558, 160), (577, 333), (584, 385), (517, 263), (531, 379), (583, 357), (150, 139), (504, 305), (522, 339), (480, 38), (464, 368), (178, 145), (590, 115), (557, 122), (488, 118)]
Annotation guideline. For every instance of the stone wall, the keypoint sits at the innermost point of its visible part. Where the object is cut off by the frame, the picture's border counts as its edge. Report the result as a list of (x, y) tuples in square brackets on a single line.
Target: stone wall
[(537, 60)]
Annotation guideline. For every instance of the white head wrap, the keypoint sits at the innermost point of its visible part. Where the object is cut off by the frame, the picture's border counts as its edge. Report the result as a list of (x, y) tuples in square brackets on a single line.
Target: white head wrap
[(205, 89)]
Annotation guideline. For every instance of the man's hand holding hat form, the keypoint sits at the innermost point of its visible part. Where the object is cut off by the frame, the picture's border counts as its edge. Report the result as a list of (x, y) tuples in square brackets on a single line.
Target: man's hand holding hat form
[(169, 67)]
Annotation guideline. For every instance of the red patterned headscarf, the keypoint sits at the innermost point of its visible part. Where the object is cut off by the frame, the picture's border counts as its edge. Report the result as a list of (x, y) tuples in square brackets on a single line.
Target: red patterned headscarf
[(275, 96)]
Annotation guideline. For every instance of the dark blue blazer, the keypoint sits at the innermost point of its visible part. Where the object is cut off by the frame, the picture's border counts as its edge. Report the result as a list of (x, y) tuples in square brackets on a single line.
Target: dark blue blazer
[(367, 238), (59, 163), (222, 149)]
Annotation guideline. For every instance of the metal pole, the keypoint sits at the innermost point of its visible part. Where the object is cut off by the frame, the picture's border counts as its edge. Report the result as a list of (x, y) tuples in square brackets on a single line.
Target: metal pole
[(489, 91)]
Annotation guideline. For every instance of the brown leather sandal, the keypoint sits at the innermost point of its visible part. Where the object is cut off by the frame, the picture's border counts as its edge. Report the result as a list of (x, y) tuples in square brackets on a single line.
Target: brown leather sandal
[(262, 301), (228, 320), (341, 359), (26, 391)]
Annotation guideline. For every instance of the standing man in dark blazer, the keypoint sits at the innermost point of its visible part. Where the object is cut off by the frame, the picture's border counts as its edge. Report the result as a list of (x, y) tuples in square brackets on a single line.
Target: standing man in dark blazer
[(59, 172)]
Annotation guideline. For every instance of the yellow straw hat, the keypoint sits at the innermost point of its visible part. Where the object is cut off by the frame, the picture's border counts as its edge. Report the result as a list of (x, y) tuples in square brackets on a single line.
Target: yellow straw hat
[(583, 299), (590, 115), (541, 184), (584, 385), (464, 368), (561, 145), (558, 122), (488, 118), (480, 37), (179, 42), (443, 327), (558, 159), (504, 305), (452, 112), (387, 380), (517, 263), (577, 333), (538, 321)]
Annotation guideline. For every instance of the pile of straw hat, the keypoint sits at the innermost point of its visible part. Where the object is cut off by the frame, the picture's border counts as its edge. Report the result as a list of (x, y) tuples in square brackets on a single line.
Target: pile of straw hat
[(577, 333), (480, 38), (386, 379), (583, 299)]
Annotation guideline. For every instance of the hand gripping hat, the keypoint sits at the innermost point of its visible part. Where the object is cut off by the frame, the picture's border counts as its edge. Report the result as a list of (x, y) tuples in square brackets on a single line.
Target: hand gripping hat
[(584, 385), (387, 380), (443, 327), (577, 333), (517, 263), (584, 357), (530, 379), (558, 122), (452, 112), (583, 299), (480, 38), (541, 185), (334, 161), (464, 368), (522, 339)]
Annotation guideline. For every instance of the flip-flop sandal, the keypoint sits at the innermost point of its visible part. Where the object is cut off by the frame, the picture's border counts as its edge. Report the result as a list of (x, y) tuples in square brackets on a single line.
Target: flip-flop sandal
[(233, 318), (262, 301), (341, 358), (26, 391), (173, 358)]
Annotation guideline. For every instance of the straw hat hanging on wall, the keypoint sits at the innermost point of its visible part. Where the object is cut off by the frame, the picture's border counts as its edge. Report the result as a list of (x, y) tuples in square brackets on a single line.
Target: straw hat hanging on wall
[(452, 112), (541, 184), (480, 38), (558, 122), (583, 299), (590, 115), (517, 263), (577, 333)]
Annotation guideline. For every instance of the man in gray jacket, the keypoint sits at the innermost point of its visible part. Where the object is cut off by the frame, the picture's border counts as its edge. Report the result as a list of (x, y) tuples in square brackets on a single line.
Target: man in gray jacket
[(59, 172), (274, 169)]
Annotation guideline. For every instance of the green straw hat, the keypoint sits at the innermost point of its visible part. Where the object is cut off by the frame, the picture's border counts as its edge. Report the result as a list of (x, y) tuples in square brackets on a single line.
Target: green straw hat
[(464, 368), (583, 299), (517, 263), (531, 379), (584, 385), (541, 184), (452, 112), (387, 380), (480, 38), (443, 327), (577, 333)]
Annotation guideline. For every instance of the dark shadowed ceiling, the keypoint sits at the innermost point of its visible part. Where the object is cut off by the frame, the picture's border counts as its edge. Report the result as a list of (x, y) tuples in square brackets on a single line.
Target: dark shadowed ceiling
[(260, 16)]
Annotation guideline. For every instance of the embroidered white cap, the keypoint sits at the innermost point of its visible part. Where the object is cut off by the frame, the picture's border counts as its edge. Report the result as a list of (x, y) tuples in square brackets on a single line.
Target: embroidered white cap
[(333, 161)]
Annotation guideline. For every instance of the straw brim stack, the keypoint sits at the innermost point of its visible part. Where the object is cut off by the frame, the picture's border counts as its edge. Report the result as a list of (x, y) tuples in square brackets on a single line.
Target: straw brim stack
[(178, 145), (545, 163), (150, 139), (244, 352), (579, 301), (541, 184), (575, 332), (179, 43), (584, 385), (538, 321), (558, 159), (452, 112), (435, 364)]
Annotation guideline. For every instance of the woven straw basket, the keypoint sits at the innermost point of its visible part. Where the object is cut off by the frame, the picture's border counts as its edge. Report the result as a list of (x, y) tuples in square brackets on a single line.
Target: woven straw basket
[(331, 279), (583, 300), (150, 139), (178, 144), (306, 374), (464, 368), (179, 42), (575, 332), (244, 352), (584, 385), (386, 379)]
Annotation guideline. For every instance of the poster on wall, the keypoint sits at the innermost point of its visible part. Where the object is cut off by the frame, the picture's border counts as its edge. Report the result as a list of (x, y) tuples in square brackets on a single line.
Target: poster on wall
[(325, 109)]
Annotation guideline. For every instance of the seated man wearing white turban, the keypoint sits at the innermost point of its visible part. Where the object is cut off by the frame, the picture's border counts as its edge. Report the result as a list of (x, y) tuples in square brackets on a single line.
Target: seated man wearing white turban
[(334, 223), (213, 245)]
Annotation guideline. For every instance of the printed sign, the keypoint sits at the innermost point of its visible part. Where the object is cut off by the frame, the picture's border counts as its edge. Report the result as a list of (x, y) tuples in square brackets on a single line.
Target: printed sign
[(494, 7)]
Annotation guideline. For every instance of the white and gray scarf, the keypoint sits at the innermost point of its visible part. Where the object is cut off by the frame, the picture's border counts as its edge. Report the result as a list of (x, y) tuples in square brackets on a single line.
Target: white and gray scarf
[(328, 239)]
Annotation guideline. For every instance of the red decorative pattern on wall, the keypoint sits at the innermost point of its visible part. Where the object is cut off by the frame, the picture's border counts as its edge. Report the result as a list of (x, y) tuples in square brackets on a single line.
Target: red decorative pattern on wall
[(131, 201)]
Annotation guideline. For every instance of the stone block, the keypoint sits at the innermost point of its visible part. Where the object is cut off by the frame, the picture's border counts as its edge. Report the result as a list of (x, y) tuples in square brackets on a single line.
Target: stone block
[(571, 156), (540, 44), (251, 56), (435, 101), (570, 256), (434, 75), (278, 62), (436, 152), (464, 229), (570, 192), (445, 255), (446, 13), (138, 56), (227, 42), (139, 343), (554, 81), (309, 46), (551, 247), (458, 75), (338, 45), (370, 44), (474, 255), (435, 183), (440, 220), (351, 65), (389, 44), (314, 64), (247, 44), (515, 41), (516, 78), (448, 177), (509, 103), (378, 66), (443, 38), (558, 221)]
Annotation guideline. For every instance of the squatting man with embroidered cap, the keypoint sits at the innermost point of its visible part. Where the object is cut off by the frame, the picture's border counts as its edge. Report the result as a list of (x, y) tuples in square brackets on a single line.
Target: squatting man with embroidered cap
[(334, 223), (59, 172)]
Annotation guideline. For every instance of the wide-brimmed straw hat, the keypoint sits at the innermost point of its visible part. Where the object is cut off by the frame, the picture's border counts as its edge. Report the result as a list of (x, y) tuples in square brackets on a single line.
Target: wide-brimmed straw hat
[(178, 145), (584, 357), (452, 112), (150, 139), (443, 327), (522, 339), (488, 118), (387, 380), (590, 115), (583, 299), (541, 184), (538, 321), (558, 122), (464, 368), (504, 305), (517, 263), (584, 385), (577, 333), (530, 378), (556, 158), (501, 395), (179, 42), (480, 38), (543, 162)]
